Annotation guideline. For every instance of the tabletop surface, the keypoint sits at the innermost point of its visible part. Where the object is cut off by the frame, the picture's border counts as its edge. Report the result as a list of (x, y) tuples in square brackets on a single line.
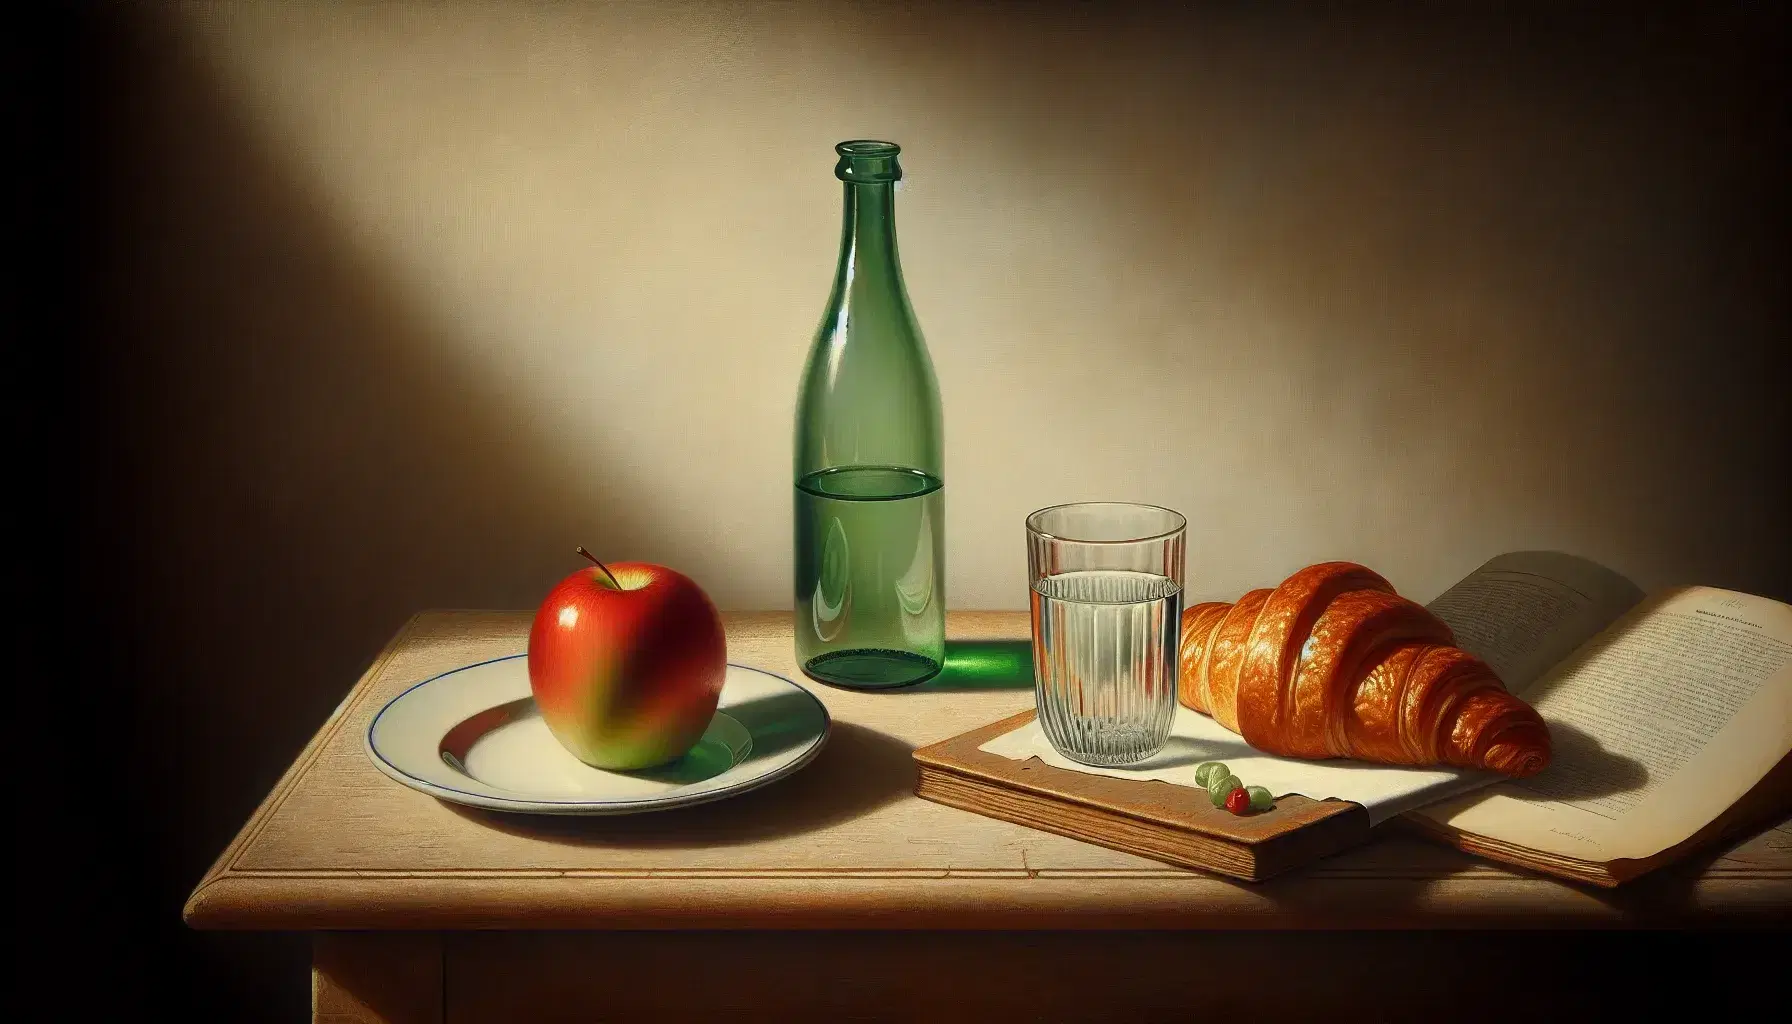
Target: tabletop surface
[(843, 843)]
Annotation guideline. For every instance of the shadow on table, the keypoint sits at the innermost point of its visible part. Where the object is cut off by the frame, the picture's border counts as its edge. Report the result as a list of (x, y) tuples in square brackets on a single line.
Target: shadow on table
[(1182, 751), (1401, 865), (1397, 875), (858, 771), (982, 665)]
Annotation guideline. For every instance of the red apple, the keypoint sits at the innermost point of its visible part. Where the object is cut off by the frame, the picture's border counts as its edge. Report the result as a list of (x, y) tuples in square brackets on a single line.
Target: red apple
[(626, 662)]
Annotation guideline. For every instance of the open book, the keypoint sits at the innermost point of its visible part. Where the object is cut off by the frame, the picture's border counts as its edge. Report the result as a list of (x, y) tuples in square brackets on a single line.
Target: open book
[(1670, 716)]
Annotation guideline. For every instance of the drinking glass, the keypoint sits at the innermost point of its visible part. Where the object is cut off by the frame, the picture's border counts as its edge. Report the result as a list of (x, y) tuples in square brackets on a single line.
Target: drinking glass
[(1107, 621)]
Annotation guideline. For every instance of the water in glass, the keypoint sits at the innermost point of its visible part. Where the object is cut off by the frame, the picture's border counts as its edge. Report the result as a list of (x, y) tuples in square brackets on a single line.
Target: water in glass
[(1104, 649)]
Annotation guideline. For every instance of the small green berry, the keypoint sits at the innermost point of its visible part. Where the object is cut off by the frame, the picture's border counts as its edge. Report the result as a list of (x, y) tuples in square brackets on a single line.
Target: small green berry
[(1222, 788), (1204, 773), (1261, 800)]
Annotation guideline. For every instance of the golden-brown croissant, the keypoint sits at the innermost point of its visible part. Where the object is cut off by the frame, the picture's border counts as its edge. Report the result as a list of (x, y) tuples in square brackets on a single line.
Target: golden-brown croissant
[(1333, 663)]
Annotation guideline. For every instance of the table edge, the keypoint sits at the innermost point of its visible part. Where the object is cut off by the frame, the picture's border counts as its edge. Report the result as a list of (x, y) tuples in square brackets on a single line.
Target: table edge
[(1488, 900)]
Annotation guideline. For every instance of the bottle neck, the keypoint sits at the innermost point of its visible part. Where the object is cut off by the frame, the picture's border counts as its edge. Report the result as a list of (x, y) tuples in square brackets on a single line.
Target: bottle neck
[(868, 257)]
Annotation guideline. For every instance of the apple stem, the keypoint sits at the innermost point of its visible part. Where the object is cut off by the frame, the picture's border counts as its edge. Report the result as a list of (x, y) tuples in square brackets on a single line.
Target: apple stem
[(600, 565)]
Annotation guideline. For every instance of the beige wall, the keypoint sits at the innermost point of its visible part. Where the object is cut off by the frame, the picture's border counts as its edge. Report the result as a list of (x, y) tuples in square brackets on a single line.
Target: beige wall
[(405, 301), (1301, 286)]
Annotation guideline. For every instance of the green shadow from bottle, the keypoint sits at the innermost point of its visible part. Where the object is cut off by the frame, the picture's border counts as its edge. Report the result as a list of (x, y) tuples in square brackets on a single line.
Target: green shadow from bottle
[(983, 665)]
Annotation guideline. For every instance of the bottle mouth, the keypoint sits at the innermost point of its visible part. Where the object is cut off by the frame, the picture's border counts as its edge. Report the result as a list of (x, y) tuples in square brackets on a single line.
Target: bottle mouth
[(867, 147), (868, 161)]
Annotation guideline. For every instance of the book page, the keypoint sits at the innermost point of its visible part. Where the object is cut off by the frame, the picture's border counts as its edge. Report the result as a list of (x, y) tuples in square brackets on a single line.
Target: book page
[(1525, 611), (1657, 726)]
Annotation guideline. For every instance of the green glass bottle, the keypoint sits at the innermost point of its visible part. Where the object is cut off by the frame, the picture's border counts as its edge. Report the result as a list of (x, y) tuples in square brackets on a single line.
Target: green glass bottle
[(870, 472)]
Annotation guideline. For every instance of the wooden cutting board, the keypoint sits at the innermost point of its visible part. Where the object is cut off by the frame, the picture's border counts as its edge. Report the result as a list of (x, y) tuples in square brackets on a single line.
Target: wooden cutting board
[(1150, 818)]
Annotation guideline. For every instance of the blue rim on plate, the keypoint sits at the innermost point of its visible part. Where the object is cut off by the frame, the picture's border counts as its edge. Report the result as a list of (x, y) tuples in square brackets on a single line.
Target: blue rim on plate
[(594, 807)]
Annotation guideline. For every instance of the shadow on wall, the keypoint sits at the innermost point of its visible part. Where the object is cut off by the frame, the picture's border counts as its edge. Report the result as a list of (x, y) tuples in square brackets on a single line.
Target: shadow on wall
[(283, 471), (1407, 289), (1451, 272)]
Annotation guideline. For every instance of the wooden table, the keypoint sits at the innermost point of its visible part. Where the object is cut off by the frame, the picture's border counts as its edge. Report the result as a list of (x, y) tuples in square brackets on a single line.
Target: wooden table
[(837, 894)]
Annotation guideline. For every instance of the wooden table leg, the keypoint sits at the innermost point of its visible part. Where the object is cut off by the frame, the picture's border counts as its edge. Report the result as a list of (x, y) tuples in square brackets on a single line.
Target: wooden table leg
[(376, 978)]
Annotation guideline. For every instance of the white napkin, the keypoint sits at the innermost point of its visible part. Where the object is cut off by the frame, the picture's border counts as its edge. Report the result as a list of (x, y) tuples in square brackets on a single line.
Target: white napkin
[(1383, 790)]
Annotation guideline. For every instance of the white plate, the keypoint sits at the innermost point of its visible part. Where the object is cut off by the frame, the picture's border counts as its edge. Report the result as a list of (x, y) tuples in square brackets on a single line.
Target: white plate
[(472, 735)]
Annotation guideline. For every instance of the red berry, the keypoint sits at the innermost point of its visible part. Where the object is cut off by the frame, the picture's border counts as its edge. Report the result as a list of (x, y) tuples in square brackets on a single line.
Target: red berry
[(1238, 801)]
